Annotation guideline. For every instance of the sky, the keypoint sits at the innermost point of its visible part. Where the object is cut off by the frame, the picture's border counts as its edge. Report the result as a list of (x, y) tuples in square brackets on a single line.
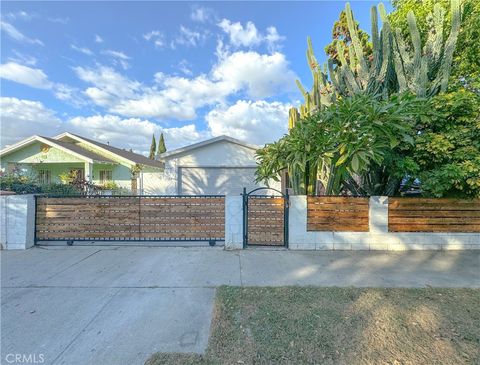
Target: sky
[(119, 72)]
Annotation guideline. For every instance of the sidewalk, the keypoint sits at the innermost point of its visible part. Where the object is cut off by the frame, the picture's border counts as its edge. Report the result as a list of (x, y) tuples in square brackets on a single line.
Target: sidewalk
[(117, 305)]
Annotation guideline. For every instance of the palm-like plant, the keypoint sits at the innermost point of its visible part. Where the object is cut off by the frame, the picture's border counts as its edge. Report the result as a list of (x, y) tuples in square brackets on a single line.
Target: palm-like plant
[(345, 144)]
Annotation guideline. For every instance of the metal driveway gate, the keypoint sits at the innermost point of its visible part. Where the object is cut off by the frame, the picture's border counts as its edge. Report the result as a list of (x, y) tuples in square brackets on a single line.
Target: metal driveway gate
[(265, 218), (130, 218)]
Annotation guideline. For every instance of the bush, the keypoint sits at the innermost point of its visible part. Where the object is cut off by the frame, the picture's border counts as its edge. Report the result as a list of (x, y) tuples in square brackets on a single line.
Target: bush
[(20, 184), (60, 189)]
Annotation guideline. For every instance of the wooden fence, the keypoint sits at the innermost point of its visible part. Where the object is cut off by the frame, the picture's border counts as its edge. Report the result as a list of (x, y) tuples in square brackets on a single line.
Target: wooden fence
[(333, 213), (433, 215), (266, 221), (131, 218)]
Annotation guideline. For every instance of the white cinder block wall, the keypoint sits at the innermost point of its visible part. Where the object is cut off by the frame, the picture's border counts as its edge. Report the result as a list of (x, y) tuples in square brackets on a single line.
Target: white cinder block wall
[(378, 237), (17, 221)]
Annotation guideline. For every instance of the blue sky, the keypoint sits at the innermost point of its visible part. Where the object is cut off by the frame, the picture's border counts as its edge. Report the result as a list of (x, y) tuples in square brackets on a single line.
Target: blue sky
[(120, 71)]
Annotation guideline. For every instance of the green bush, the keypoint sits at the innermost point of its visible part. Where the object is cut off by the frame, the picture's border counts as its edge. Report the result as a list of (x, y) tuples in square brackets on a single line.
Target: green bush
[(59, 189), (20, 184)]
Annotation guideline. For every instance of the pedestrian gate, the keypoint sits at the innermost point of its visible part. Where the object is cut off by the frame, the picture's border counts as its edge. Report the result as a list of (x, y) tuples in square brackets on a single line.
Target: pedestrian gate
[(265, 218)]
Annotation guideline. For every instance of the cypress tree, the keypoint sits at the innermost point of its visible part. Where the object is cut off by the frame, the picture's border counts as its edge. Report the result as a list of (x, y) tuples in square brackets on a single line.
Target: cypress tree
[(153, 147), (161, 145)]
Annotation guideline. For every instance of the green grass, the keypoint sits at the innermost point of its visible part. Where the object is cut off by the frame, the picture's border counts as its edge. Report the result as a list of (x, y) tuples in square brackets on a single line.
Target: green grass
[(293, 325)]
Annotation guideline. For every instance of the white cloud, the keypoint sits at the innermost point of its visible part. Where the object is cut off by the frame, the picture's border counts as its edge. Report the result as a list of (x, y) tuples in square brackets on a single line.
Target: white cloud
[(185, 67), (201, 14), (175, 97), (25, 75), (83, 50), (257, 122), (59, 20), (14, 33), (156, 37), (132, 133), (118, 58), (188, 37), (23, 118), (116, 54), (23, 59), (249, 35), (260, 75), (36, 78), (98, 39)]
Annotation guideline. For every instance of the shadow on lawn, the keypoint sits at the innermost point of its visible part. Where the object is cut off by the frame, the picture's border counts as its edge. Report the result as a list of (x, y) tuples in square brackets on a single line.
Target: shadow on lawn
[(293, 325)]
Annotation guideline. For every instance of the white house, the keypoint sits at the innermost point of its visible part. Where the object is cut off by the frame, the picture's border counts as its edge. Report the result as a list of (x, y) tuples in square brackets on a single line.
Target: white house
[(221, 165)]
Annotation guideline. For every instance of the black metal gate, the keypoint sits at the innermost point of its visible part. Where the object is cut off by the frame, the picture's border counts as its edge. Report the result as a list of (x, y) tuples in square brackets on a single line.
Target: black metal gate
[(265, 218)]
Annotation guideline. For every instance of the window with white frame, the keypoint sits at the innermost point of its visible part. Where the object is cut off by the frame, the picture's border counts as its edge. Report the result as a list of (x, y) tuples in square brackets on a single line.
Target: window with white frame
[(105, 176), (45, 176)]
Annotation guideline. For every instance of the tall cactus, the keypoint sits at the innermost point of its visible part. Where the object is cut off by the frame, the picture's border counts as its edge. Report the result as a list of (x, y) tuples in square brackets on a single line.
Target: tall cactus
[(393, 67), (425, 71)]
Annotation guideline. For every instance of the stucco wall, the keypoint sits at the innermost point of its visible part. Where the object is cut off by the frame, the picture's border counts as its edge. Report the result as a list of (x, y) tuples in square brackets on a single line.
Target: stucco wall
[(17, 221)]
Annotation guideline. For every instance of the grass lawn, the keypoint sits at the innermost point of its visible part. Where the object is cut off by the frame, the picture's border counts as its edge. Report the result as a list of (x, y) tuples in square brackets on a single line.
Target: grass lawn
[(293, 325)]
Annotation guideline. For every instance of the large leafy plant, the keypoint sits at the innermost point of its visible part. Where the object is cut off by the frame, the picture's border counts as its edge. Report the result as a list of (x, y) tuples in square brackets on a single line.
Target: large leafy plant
[(344, 143)]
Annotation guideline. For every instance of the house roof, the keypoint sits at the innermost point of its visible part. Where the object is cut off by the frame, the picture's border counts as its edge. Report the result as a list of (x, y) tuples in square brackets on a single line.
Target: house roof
[(130, 156), (84, 153), (95, 157), (206, 143)]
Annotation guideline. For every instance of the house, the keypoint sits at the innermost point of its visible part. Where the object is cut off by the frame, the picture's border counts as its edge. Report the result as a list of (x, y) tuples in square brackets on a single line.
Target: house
[(221, 165), (48, 158)]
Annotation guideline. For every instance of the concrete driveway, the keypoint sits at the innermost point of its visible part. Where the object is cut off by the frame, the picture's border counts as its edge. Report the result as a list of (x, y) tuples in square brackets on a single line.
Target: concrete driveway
[(117, 305)]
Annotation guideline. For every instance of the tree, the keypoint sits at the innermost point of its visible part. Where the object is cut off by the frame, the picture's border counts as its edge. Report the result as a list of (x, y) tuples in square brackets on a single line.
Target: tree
[(161, 145), (153, 147), (447, 146), (340, 33)]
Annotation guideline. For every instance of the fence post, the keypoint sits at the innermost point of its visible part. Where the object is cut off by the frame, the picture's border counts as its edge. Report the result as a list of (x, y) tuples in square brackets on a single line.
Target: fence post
[(378, 214), (233, 222)]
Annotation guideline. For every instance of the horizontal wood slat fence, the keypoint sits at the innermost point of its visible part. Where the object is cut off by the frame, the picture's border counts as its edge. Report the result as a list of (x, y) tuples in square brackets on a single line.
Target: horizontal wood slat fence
[(337, 214), (433, 215), (131, 218), (266, 221)]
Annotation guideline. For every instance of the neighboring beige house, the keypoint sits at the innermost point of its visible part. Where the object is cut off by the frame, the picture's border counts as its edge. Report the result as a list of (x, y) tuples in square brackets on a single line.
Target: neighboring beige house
[(48, 158), (221, 165)]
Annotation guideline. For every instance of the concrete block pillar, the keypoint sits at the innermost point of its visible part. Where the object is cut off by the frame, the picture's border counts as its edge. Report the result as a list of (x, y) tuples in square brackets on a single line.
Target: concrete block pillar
[(378, 214), (233, 222), (17, 221)]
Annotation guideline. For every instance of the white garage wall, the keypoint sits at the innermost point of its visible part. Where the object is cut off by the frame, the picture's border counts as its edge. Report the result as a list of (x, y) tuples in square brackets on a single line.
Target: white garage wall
[(219, 154)]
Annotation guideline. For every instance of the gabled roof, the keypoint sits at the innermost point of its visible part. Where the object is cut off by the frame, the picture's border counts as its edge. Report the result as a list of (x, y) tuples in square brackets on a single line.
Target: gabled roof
[(71, 148), (206, 143), (81, 151), (132, 157)]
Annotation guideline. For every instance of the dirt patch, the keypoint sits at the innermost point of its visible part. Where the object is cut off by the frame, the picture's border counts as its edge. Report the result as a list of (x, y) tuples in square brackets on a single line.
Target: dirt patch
[(340, 326)]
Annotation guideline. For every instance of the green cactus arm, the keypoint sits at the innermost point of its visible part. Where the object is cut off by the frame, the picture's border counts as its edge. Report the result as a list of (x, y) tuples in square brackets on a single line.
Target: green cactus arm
[(446, 65), (362, 69), (376, 44), (301, 88), (345, 71)]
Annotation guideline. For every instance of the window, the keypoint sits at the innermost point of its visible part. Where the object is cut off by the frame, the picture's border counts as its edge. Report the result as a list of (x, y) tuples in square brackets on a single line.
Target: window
[(105, 175), (44, 176)]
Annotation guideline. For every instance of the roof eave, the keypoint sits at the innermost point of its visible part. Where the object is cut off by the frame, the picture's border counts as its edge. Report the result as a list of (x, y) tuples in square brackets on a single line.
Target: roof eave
[(206, 143)]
